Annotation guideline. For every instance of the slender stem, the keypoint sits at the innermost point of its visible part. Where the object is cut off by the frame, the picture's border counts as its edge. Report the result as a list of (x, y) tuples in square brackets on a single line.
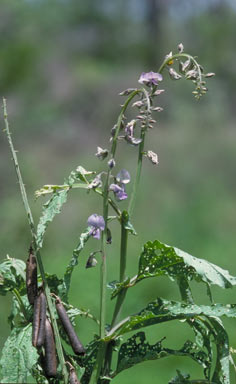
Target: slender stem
[(138, 173), (102, 349), (37, 253), (140, 156), (123, 256), (18, 298)]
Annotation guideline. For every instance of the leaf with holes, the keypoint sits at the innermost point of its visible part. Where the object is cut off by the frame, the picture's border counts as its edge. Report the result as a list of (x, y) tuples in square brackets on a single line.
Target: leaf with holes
[(18, 356), (161, 310), (137, 350), (158, 259), (221, 374)]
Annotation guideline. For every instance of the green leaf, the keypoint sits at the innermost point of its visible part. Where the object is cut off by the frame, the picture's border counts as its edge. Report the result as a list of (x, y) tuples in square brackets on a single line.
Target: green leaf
[(161, 310), (221, 374), (81, 173), (74, 261), (137, 350), (12, 275), (73, 312), (181, 378), (59, 197), (50, 209), (159, 259), (89, 360), (18, 356)]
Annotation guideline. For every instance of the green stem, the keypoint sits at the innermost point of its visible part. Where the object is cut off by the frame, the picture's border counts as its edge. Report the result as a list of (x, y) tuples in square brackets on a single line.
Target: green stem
[(138, 173), (123, 257), (37, 253), (140, 156), (18, 298), (101, 352)]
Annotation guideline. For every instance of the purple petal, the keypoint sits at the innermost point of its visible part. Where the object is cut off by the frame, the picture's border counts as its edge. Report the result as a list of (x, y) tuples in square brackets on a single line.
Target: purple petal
[(96, 221), (121, 195), (115, 188), (119, 191), (96, 233), (123, 177), (149, 78)]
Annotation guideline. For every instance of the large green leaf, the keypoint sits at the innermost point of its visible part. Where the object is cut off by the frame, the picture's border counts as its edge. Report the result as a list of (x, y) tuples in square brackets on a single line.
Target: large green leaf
[(159, 259), (18, 356), (137, 350), (161, 310)]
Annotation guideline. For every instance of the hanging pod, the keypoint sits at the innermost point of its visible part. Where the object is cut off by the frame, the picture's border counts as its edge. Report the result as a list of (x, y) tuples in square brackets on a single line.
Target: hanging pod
[(42, 320), (50, 359), (36, 320), (39, 319), (74, 341), (31, 277)]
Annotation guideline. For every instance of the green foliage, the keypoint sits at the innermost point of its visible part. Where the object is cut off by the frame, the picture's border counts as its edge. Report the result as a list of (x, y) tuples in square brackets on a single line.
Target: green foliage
[(12, 275), (210, 347), (18, 356), (159, 259)]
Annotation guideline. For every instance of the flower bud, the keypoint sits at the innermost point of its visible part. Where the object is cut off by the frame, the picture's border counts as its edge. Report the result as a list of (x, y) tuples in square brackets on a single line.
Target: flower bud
[(91, 262), (101, 153), (111, 163), (127, 91), (174, 75), (210, 74), (181, 48), (152, 156)]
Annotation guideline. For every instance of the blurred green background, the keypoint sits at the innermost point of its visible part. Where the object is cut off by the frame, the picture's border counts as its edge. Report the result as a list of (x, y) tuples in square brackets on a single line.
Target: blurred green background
[(62, 65)]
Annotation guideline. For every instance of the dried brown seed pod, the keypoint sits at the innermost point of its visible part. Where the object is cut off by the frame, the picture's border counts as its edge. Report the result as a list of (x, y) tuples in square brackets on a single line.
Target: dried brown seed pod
[(42, 320), (50, 360), (73, 379), (36, 320), (31, 277), (74, 341)]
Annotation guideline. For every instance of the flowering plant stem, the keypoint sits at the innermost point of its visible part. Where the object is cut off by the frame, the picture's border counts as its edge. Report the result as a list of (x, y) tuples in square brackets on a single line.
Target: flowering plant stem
[(37, 252), (103, 279)]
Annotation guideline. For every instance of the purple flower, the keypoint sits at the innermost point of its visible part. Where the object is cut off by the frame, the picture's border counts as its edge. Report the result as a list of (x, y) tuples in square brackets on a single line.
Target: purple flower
[(119, 192), (150, 78), (122, 178), (97, 225)]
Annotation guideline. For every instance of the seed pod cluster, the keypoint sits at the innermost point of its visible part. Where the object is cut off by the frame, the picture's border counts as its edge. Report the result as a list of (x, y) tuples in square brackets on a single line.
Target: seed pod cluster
[(31, 277), (74, 341)]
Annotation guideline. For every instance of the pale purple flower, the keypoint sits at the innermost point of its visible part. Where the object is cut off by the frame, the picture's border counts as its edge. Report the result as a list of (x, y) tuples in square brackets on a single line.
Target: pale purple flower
[(119, 192), (122, 178), (97, 225), (150, 78)]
